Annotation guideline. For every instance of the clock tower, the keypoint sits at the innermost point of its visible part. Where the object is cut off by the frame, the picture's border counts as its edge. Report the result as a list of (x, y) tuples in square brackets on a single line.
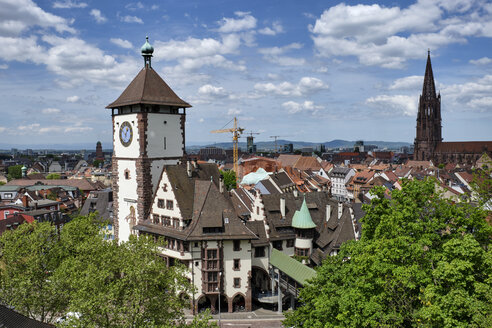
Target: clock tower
[(148, 133)]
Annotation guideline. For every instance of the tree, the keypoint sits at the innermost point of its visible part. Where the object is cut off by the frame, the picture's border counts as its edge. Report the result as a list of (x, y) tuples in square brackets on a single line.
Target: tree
[(53, 176), (45, 273), (229, 179), (14, 172), (97, 163), (482, 185), (29, 259), (421, 262)]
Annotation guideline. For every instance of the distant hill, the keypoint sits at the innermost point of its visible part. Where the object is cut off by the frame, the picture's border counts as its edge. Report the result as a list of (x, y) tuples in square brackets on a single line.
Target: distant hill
[(334, 144)]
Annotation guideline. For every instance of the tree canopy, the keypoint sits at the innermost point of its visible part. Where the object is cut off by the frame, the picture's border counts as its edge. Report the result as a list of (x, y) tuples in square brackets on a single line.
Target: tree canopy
[(422, 261), (45, 273), (229, 179)]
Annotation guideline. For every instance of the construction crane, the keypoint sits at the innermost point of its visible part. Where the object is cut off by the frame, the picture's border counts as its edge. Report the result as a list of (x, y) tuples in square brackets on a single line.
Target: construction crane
[(236, 133), (275, 137)]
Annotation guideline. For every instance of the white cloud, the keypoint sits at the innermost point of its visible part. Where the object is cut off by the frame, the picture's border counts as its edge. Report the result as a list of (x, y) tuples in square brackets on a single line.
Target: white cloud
[(389, 36), (306, 106), (154, 7), (387, 105), (413, 82), (474, 96), (201, 120), (134, 5), (96, 13), (234, 111), (274, 30), (73, 99), (78, 129), (69, 4), (18, 16), (31, 127), (306, 86), (192, 54), (2, 129), (122, 43), (275, 55), (131, 19), (209, 90), (244, 22), (481, 61), (4, 66), (50, 111)]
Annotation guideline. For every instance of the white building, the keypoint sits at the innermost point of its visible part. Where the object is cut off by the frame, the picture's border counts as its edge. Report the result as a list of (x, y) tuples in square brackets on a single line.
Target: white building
[(339, 177)]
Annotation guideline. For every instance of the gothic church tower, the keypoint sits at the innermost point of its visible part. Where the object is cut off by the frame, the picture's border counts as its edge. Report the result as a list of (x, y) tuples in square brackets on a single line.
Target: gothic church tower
[(428, 118), (148, 133)]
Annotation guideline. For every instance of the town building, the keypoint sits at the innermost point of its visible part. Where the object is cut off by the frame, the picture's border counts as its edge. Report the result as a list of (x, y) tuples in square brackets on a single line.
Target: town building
[(224, 239)]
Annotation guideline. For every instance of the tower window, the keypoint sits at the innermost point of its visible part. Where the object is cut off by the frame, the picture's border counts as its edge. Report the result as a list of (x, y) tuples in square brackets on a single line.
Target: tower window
[(127, 174), (237, 282), (169, 204), (160, 203), (237, 245), (237, 264), (165, 143)]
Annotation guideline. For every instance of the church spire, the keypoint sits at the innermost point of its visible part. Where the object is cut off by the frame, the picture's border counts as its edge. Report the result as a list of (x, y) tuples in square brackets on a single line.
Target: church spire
[(429, 88)]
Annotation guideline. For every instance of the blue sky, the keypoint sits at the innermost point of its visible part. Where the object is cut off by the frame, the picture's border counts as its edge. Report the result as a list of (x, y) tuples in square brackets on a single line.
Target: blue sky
[(305, 70)]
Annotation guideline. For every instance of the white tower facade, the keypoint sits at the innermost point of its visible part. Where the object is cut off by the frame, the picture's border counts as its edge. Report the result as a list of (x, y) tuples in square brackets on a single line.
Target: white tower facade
[(148, 133)]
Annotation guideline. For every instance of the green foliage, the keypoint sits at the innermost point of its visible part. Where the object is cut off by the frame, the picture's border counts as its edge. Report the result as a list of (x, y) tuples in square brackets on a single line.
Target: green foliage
[(441, 166), (97, 163), (2, 183), (482, 184), (421, 262), (229, 179), (14, 172), (53, 176), (45, 274)]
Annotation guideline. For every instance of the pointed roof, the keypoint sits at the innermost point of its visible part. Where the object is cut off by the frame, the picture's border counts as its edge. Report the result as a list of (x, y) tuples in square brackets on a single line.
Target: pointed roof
[(148, 88), (429, 88), (302, 218)]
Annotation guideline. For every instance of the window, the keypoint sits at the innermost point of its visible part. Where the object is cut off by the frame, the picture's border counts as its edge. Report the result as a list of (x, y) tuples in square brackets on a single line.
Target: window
[(259, 251), (237, 282), (211, 253), (165, 143), (155, 219), (212, 265), (196, 244), (127, 174), (7, 195), (160, 203), (277, 245), (5, 214), (290, 243), (301, 251), (197, 263), (237, 245), (212, 276), (169, 204), (237, 264)]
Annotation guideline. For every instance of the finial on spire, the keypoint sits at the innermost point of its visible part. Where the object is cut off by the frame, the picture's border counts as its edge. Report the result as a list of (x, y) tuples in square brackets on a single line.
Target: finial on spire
[(428, 51), (147, 50)]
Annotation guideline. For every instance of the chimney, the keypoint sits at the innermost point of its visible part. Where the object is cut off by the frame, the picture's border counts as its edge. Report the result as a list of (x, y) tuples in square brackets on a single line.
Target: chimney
[(340, 209), (296, 192), (450, 183), (328, 212), (25, 201), (221, 183), (188, 168), (282, 207)]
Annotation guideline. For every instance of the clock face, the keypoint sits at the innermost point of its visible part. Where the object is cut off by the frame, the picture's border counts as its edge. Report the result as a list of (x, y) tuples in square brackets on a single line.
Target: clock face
[(126, 134)]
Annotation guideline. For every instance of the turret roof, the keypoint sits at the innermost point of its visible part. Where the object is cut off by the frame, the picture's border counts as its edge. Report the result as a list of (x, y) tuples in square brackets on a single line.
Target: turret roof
[(302, 218), (148, 88)]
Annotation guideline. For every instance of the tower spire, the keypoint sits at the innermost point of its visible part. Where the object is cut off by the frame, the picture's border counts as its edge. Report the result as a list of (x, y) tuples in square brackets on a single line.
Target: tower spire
[(147, 50), (429, 88)]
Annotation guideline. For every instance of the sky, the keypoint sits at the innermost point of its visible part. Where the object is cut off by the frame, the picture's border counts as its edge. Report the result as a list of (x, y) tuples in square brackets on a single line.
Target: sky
[(302, 70)]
